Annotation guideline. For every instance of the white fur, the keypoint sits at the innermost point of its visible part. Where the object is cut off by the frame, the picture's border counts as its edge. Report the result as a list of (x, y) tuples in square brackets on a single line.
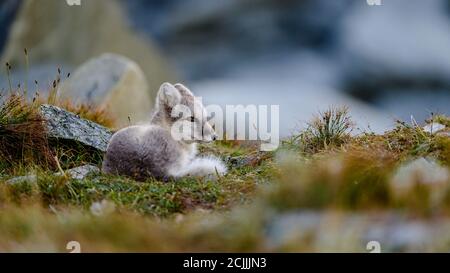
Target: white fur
[(200, 167), (151, 151), (169, 95)]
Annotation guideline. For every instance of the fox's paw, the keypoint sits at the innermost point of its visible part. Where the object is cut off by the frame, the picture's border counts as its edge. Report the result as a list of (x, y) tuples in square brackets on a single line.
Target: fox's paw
[(207, 167)]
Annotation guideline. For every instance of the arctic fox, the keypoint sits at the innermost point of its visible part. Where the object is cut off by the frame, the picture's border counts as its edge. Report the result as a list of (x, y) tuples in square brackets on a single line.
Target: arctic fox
[(152, 150)]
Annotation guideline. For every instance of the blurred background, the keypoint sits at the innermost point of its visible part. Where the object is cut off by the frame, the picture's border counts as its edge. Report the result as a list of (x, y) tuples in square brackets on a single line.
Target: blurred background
[(385, 62)]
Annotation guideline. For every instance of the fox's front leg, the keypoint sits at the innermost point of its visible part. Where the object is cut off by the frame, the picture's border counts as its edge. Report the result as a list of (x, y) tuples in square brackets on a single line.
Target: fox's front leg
[(202, 167)]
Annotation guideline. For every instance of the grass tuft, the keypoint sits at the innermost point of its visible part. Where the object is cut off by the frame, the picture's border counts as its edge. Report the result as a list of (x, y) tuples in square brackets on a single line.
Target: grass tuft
[(23, 138), (330, 129)]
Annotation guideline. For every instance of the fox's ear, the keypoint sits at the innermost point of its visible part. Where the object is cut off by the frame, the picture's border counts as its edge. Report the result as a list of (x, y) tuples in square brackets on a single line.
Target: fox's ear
[(183, 89), (168, 95)]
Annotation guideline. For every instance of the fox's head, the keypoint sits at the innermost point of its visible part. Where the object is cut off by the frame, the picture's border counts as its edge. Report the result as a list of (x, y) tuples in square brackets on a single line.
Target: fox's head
[(183, 114)]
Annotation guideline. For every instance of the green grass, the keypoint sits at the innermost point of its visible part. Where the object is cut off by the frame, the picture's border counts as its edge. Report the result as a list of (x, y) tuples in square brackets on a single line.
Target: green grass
[(322, 169), (329, 129), (149, 198)]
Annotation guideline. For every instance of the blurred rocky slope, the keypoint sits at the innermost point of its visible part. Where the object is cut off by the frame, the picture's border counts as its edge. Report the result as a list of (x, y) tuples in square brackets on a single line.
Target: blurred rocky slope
[(8, 10), (393, 56), (387, 62), (58, 35)]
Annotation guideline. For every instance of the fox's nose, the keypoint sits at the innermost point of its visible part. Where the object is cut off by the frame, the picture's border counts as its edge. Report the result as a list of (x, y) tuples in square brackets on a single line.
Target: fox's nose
[(214, 137)]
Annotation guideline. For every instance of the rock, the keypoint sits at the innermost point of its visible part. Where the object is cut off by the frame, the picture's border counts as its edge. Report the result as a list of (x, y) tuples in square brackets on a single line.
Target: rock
[(237, 161), (243, 161), (114, 82), (401, 236), (291, 226), (444, 133), (80, 173), (398, 57), (71, 35), (29, 179), (434, 128), (102, 208), (63, 125), (352, 232), (423, 170)]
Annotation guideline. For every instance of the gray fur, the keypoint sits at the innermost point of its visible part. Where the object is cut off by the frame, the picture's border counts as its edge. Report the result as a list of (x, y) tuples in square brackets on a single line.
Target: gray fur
[(150, 150)]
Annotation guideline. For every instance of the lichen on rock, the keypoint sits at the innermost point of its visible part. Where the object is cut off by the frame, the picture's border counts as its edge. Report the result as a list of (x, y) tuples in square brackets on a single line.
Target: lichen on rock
[(64, 125)]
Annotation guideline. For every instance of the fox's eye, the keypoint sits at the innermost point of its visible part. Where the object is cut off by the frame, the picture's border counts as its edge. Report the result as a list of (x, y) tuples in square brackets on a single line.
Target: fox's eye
[(192, 119)]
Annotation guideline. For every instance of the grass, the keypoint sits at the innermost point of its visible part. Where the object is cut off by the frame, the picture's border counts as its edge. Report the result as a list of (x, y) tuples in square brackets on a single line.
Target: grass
[(24, 142), (23, 139), (322, 169), (356, 173), (150, 198), (329, 129)]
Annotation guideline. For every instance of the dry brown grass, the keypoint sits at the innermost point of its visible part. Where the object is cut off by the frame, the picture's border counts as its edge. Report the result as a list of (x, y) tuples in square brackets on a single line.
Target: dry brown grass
[(23, 138), (89, 111)]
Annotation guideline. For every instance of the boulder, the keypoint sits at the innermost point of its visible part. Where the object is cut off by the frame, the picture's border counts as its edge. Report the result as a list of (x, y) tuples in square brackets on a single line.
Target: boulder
[(64, 125), (54, 32), (114, 82)]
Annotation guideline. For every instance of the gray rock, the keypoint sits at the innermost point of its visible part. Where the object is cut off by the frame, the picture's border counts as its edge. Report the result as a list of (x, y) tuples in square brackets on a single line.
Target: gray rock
[(423, 170), (352, 232), (237, 161), (434, 128), (64, 125), (79, 173), (114, 82), (30, 179), (243, 161)]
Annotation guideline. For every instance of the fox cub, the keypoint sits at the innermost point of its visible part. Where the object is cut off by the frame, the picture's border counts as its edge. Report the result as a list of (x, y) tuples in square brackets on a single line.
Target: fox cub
[(160, 149)]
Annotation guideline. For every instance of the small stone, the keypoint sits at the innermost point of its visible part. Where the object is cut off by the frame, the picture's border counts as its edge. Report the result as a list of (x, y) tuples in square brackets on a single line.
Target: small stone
[(30, 179), (82, 172), (422, 170), (434, 128)]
